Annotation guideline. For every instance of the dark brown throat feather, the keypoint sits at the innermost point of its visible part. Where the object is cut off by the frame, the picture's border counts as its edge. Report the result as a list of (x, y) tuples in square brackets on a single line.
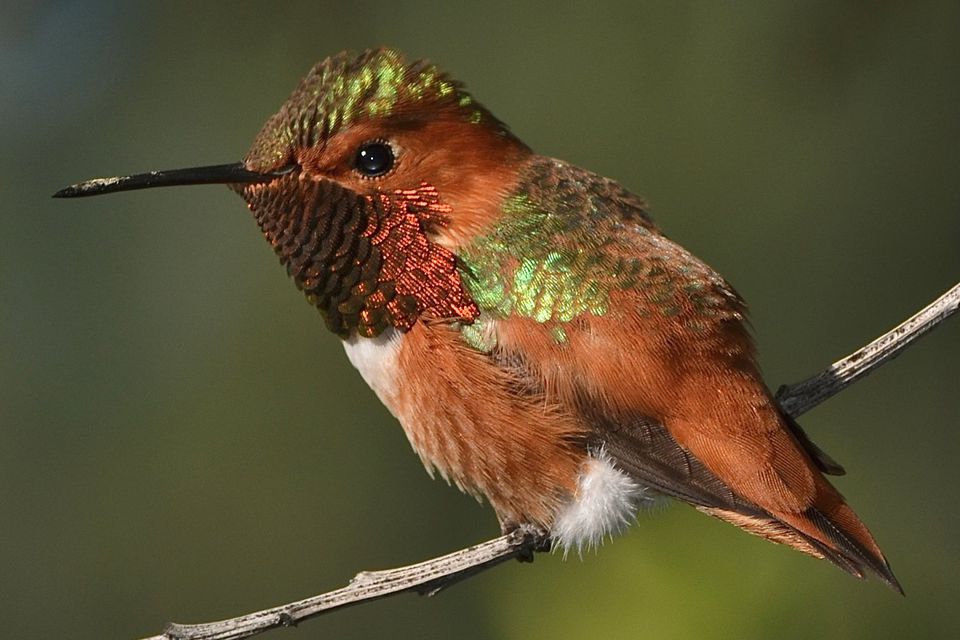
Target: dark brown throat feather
[(366, 262)]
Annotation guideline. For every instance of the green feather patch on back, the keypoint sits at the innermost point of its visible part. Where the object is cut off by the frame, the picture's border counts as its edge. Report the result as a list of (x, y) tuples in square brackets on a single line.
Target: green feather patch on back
[(566, 240)]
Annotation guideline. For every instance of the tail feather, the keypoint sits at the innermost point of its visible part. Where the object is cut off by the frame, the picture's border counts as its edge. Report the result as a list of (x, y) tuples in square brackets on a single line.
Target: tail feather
[(840, 549), (831, 523), (863, 555), (824, 526), (843, 539)]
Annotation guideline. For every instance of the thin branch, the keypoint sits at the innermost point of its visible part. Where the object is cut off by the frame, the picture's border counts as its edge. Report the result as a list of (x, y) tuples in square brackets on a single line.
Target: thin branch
[(797, 399), (426, 578), (429, 577)]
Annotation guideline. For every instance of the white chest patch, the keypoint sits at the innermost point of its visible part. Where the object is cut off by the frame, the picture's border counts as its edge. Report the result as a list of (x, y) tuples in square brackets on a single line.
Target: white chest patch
[(606, 502), (376, 360)]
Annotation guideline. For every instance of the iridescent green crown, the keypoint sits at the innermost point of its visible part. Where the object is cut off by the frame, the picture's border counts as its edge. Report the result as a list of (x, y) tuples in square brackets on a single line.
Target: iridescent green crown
[(347, 88)]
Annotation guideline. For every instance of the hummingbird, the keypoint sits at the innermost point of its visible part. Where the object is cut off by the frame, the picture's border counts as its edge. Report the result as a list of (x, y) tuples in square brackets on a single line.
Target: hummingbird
[(541, 342)]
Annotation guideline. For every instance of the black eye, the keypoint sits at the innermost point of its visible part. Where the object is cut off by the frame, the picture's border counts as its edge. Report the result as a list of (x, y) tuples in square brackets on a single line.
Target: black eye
[(373, 159)]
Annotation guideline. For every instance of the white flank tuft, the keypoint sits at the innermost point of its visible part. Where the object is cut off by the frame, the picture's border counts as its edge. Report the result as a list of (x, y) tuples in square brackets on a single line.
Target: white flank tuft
[(606, 503)]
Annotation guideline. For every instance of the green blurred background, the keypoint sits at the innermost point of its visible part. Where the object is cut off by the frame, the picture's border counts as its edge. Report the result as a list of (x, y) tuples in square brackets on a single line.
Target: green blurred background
[(181, 439)]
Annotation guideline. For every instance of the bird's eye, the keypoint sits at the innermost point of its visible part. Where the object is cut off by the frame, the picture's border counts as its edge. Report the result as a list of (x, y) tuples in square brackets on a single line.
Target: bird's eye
[(374, 159)]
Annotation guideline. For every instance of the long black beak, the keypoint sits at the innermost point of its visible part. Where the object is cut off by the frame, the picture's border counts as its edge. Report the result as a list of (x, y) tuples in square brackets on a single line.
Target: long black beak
[(217, 174)]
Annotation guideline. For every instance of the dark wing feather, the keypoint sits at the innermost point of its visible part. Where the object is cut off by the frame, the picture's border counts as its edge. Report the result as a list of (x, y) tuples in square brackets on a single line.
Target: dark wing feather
[(646, 451), (821, 458)]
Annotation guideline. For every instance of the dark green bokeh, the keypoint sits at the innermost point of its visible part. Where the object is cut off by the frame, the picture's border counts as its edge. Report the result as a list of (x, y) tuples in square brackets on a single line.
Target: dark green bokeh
[(180, 437)]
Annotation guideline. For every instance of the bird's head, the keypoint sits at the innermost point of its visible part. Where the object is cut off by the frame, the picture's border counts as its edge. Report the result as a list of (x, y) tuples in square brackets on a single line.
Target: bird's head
[(375, 124), (366, 182)]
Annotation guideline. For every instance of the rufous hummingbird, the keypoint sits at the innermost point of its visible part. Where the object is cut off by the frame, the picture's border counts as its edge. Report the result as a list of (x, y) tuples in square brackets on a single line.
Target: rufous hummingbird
[(540, 341)]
